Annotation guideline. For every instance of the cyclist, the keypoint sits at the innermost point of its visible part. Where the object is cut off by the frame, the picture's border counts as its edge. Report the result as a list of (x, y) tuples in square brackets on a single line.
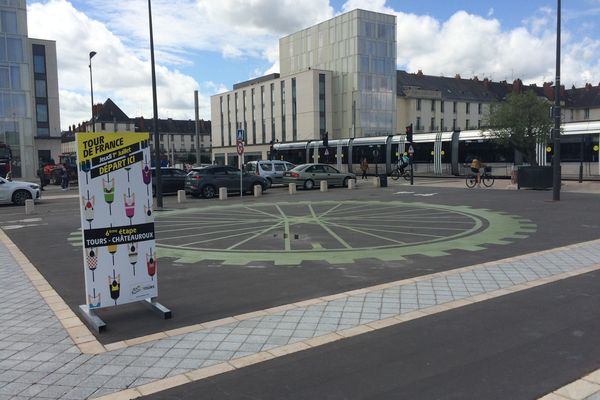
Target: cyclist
[(402, 163), (476, 165)]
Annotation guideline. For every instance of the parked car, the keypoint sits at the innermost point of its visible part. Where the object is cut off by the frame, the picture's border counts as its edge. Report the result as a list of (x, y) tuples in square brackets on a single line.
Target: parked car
[(172, 179), (206, 181), (311, 175), (17, 192), (272, 171)]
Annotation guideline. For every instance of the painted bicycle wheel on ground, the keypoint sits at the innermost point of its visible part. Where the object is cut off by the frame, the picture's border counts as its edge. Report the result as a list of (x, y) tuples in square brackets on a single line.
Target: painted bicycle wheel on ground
[(288, 233)]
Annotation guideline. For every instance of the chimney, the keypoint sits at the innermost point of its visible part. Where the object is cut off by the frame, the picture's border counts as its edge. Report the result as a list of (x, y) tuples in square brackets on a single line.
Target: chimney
[(517, 86), (548, 90), (457, 76), (588, 86), (419, 73), (475, 78)]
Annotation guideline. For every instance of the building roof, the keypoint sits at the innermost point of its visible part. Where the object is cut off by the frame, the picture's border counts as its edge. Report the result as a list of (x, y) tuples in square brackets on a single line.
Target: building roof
[(588, 96), (110, 112), (172, 126), (255, 81)]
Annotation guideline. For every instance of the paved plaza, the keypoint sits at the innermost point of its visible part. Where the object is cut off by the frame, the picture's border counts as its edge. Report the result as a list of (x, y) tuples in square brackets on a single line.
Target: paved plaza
[(46, 352)]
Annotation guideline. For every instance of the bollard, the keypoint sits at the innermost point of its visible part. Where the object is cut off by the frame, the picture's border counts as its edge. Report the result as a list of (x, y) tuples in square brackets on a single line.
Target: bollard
[(376, 182), (351, 183), (222, 193), (324, 186), (181, 196), (29, 207), (257, 190), (292, 188)]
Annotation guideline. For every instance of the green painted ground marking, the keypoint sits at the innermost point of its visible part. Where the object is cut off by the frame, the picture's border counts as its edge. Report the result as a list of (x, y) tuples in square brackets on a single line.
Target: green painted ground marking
[(394, 229)]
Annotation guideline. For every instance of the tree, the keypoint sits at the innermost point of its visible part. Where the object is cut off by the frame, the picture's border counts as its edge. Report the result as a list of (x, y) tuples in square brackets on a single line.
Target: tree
[(521, 121)]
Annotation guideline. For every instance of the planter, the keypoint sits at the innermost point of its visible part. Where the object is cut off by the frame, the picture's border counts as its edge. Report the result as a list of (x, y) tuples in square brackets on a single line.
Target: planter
[(534, 177)]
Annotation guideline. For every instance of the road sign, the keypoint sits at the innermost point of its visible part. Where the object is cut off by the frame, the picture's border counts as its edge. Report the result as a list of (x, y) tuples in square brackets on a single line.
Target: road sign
[(411, 151), (240, 135), (240, 148), (326, 152)]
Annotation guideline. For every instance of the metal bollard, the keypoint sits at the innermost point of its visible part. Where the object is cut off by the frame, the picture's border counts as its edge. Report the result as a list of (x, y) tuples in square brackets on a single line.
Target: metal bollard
[(376, 182), (324, 186), (351, 183), (181, 196), (222, 193), (292, 188), (29, 207), (257, 190)]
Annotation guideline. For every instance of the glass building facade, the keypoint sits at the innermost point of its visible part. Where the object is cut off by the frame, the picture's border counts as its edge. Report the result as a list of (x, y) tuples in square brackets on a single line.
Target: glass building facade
[(359, 47)]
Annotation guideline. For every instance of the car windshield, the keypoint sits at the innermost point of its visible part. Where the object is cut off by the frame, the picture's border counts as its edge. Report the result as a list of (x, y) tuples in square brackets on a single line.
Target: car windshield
[(251, 167)]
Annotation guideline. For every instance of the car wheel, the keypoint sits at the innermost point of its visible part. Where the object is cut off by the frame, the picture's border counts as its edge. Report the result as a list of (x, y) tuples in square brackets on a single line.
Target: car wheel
[(20, 196), (208, 191), (309, 184), (345, 183)]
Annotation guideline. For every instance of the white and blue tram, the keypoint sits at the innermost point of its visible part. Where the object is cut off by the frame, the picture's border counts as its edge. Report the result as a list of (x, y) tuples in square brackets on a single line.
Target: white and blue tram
[(448, 153)]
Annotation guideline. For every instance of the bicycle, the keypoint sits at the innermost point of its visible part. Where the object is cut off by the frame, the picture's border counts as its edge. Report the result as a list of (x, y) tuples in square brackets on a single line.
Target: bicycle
[(486, 178), (396, 174)]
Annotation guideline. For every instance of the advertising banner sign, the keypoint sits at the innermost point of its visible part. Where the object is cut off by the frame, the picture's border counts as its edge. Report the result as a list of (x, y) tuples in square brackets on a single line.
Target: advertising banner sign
[(115, 190)]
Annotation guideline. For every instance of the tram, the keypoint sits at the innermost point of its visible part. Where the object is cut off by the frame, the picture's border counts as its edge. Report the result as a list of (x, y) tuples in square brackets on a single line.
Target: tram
[(448, 153)]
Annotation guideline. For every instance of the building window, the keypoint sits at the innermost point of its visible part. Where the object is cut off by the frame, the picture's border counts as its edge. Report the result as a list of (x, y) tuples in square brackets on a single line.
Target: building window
[(262, 114), (39, 64), (586, 113), (432, 125), (41, 112), (14, 49), (294, 112), (454, 107), (432, 105), (244, 115), (322, 114), (442, 106), (253, 105), (236, 110), (283, 138), (9, 22), (468, 105), (454, 124), (273, 112), (478, 124), (418, 123), (222, 122), (467, 123), (40, 88), (43, 132), (418, 104), (103, 126), (479, 108)]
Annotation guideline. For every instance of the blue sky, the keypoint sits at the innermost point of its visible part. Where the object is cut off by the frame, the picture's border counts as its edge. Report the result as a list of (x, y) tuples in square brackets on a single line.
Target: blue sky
[(209, 45)]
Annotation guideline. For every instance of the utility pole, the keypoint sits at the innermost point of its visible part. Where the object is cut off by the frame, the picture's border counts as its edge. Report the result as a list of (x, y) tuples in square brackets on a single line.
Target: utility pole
[(556, 181)]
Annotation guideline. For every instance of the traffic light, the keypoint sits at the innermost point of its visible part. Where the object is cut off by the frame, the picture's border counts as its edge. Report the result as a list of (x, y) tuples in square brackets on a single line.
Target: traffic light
[(409, 133), (326, 139)]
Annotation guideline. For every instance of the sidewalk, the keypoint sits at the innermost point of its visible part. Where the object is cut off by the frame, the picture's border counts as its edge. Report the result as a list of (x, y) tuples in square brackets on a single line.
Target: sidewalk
[(46, 353)]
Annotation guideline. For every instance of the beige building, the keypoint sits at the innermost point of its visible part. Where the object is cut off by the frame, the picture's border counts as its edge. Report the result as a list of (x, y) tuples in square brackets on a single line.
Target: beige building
[(337, 77)]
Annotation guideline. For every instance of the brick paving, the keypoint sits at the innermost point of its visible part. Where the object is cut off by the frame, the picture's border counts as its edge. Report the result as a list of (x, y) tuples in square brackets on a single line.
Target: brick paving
[(38, 358)]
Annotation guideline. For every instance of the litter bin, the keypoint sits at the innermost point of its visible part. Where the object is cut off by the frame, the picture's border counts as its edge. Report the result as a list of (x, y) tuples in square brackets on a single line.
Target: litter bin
[(383, 180)]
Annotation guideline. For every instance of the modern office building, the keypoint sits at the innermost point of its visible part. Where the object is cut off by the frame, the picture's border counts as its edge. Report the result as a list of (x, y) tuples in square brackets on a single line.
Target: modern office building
[(29, 109), (337, 77)]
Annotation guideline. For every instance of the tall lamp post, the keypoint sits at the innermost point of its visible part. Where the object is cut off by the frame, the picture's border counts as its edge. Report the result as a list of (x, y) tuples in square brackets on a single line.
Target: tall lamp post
[(92, 54), (556, 131), (159, 199)]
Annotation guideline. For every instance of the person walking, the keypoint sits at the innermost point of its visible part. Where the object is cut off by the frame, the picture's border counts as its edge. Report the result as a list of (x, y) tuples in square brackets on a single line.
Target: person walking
[(364, 166)]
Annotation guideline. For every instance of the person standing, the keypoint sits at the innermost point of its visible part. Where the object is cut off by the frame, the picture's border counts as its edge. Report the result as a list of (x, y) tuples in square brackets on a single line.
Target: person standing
[(364, 166), (41, 176), (64, 178)]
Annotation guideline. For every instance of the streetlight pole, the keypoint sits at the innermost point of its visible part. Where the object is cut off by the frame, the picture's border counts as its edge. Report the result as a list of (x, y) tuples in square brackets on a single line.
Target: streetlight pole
[(92, 54), (556, 181), (159, 199)]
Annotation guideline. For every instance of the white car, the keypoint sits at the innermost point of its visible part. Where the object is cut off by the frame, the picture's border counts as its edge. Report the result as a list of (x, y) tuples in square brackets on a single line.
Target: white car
[(17, 192)]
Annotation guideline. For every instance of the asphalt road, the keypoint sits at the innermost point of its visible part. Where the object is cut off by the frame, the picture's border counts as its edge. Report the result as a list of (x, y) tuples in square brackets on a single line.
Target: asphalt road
[(207, 290), (520, 346)]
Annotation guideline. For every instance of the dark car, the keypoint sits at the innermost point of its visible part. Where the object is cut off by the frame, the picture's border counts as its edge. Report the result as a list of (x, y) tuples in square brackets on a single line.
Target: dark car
[(206, 181), (172, 179)]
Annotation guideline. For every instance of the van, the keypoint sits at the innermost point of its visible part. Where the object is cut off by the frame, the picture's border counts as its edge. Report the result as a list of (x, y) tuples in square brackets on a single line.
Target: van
[(272, 171)]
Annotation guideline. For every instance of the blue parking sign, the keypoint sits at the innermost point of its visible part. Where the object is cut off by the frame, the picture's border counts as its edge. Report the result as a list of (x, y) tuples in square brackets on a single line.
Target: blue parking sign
[(240, 135)]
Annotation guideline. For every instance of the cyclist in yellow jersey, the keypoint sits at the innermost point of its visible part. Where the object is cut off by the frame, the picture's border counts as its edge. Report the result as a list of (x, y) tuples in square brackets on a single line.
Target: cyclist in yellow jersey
[(476, 169)]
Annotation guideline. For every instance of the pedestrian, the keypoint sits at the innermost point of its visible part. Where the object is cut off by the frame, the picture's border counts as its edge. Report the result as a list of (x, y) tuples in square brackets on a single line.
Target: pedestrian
[(41, 176), (364, 166), (64, 178)]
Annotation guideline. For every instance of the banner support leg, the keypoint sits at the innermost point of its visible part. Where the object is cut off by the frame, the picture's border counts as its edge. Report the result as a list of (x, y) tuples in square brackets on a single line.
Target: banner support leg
[(158, 308), (92, 320)]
